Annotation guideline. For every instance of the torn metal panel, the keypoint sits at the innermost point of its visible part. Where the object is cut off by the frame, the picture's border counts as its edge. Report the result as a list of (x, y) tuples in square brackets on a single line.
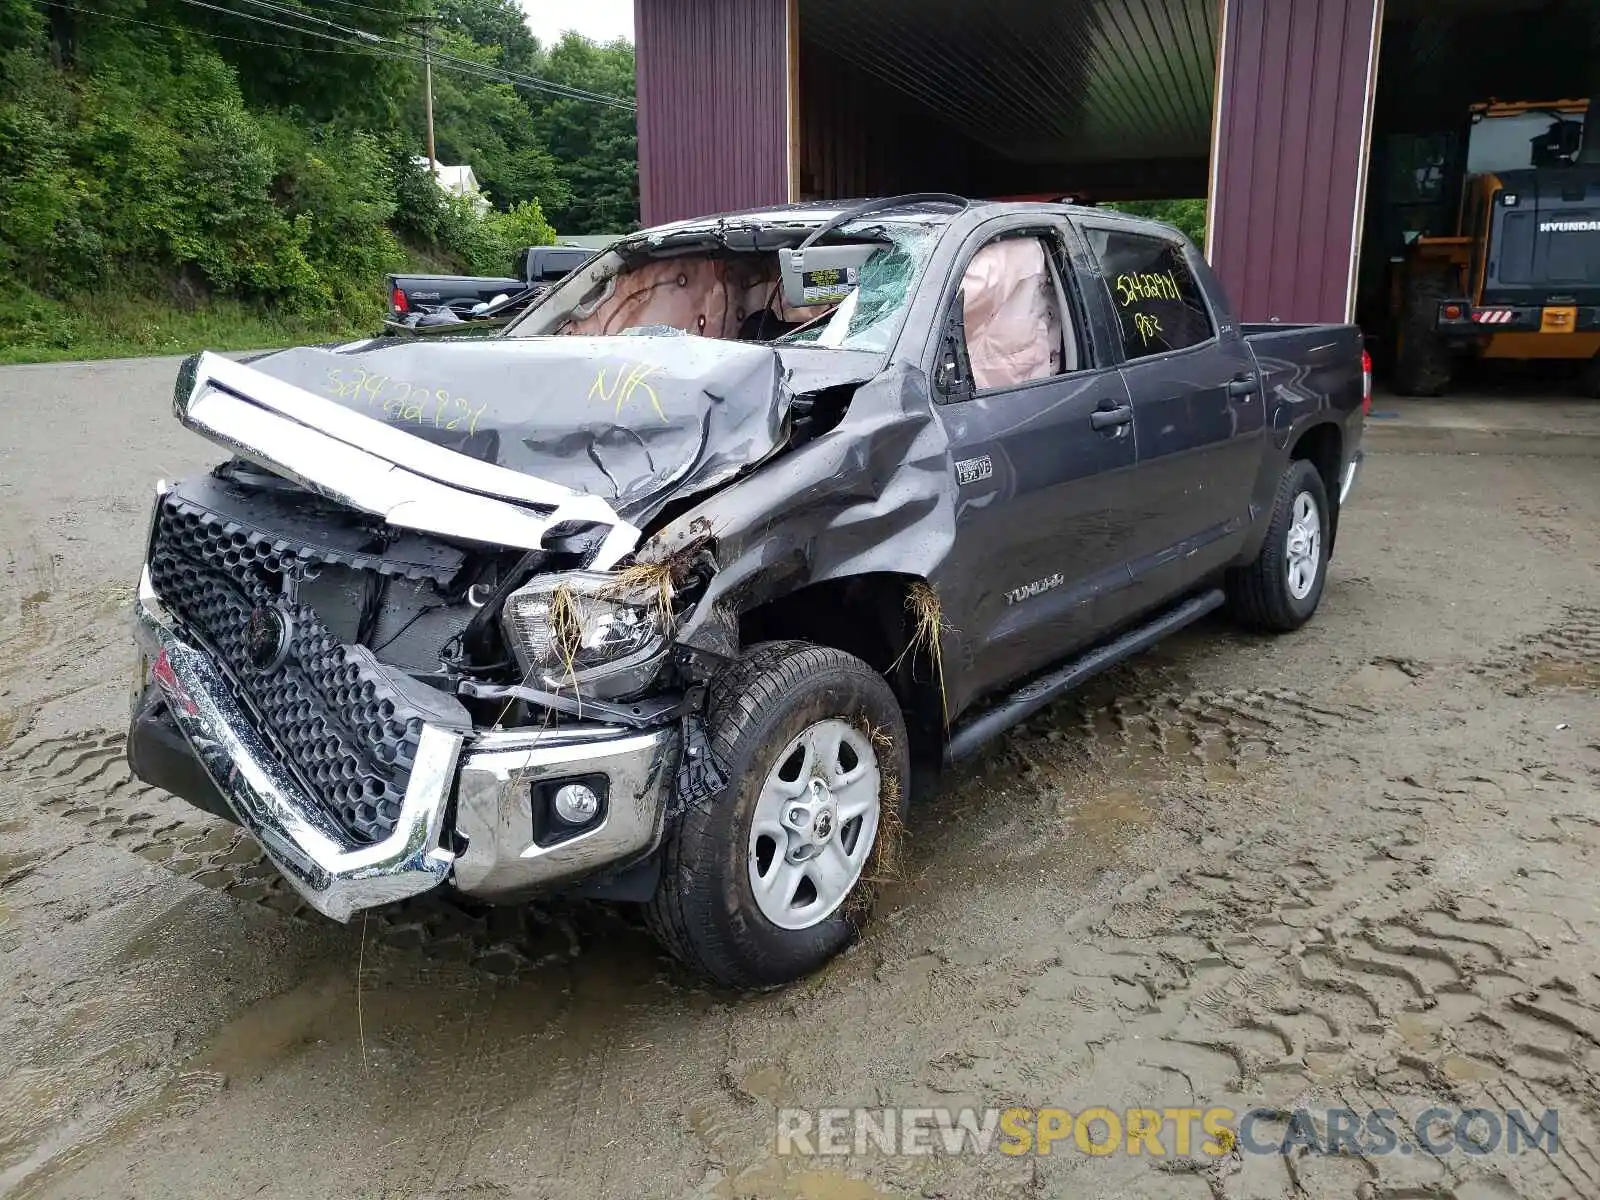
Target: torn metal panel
[(873, 496), (632, 420)]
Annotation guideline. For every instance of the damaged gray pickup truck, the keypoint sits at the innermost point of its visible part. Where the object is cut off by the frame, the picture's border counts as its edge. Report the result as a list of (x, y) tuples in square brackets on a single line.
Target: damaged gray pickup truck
[(662, 594)]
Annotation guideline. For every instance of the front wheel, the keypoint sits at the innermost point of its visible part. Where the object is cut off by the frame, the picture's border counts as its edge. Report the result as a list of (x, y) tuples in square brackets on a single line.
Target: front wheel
[(767, 880), (1280, 590)]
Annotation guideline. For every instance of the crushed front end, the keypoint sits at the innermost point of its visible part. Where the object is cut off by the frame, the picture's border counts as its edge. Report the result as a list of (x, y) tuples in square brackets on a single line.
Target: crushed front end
[(399, 667)]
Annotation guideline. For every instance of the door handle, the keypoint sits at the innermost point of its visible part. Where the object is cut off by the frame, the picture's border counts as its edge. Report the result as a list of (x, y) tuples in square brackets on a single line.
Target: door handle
[(1244, 385), (1111, 418)]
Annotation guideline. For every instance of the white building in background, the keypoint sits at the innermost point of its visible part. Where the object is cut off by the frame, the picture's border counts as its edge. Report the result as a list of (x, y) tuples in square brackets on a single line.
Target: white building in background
[(459, 180)]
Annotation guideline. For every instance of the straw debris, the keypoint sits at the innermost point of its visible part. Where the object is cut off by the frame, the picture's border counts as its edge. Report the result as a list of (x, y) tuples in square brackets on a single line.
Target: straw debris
[(657, 579), (927, 631), (885, 864), (566, 629)]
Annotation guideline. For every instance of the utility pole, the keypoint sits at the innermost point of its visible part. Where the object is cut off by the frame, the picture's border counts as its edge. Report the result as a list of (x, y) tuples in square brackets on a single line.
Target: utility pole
[(427, 69)]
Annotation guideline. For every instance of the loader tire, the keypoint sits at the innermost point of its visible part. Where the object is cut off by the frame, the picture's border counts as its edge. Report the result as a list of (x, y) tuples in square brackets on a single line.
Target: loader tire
[(1422, 360)]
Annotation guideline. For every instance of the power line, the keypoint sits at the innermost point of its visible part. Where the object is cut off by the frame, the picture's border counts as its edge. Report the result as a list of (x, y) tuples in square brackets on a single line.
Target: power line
[(408, 53), (388, 12), (532, 81), (221, 37)]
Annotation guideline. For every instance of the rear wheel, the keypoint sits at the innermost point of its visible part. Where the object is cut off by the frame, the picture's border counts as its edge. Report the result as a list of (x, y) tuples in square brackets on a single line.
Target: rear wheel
[(1280, 590), (1422, 359), (767, 880)]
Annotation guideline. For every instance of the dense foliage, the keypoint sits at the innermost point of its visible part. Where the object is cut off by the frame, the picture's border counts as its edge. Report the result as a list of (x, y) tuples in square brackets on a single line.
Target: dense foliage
[(264, 152), (1189, 216)]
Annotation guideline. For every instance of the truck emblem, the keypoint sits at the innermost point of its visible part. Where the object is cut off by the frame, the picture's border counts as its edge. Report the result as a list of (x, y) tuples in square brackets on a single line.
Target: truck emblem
[(266, 638), (1037, 588), (1569, 226), (972, 470)]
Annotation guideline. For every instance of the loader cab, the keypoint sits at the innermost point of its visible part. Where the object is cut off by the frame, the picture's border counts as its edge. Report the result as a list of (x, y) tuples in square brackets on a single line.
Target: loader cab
[(1543, 242), (1517, 274), (1530, 205)]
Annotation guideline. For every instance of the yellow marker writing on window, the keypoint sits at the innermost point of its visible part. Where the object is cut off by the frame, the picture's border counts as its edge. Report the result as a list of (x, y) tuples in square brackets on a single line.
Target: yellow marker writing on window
[(1147, 285)]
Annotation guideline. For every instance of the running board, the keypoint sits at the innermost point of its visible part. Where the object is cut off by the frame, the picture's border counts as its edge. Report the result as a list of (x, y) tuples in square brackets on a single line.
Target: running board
[(971, 736)]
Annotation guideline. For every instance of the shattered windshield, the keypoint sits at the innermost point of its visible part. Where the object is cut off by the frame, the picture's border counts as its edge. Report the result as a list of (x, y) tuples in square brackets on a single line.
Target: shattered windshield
[(870, 317), (725, 282)]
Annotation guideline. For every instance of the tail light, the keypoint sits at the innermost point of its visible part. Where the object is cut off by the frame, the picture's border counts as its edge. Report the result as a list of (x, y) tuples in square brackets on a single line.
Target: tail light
[(1366, 383), (398, 300), (1452, 312)]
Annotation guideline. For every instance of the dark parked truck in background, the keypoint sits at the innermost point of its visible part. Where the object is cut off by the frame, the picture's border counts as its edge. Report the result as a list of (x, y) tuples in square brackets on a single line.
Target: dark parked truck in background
[(661, 594), (537, 268)]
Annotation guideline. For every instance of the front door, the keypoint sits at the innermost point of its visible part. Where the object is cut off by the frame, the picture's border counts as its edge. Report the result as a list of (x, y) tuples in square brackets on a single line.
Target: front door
[(1044, 451)]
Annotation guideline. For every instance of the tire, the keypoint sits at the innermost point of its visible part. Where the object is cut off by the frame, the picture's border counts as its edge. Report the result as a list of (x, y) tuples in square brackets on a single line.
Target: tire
[(1262, 595), (1589, 379), (705, 910), (1422, 360)]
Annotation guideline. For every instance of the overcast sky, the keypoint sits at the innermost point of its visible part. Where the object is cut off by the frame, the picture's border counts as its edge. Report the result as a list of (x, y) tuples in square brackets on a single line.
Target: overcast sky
[(602, 20)]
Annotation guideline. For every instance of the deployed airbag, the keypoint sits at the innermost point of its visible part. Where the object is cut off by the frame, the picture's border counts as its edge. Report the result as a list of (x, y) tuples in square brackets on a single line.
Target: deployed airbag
[(1013, 323)]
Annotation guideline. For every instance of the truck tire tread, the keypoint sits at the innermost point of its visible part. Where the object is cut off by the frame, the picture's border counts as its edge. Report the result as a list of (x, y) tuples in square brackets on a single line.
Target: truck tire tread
[(1258, 594), (682, 913), (1422, 363)]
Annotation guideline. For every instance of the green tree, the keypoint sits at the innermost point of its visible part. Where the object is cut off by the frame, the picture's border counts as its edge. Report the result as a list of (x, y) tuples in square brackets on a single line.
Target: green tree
[(198, 157), (596, 145), (487, 125), (1189, 216)]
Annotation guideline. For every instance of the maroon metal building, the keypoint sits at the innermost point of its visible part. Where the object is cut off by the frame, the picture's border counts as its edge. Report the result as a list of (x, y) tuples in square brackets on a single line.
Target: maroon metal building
[(1277, 110)]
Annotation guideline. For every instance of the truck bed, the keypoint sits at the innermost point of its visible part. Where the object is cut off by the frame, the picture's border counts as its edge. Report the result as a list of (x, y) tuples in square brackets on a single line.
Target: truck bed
[(458, 292), (1309, 361)]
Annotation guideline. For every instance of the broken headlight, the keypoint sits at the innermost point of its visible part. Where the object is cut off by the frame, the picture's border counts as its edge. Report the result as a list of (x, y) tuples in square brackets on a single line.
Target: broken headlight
[(586, 632)]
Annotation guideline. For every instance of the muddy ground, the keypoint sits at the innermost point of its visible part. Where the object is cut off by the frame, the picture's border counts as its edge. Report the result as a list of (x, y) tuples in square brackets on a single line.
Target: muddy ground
[(1357, 866)]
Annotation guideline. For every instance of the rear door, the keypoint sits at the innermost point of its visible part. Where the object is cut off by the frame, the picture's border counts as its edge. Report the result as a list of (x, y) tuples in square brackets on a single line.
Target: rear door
[(1041, 431), (1199, 414)]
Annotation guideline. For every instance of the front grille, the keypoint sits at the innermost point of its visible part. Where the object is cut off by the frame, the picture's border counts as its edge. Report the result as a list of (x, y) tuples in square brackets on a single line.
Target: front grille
[(350, 735)]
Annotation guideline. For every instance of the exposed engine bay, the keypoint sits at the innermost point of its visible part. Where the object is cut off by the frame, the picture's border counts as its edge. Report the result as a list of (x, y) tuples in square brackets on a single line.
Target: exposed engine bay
[(350, 633)]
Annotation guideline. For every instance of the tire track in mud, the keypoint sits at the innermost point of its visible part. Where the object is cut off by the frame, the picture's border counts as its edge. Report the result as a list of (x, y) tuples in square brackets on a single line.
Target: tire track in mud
[(1368, 973), (1161, 736), (84, 778), (1567, 655)]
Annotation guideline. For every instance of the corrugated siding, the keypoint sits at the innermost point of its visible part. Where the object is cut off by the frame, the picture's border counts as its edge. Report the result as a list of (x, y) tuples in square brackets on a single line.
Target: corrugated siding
[(859, 137), (1039, 81), (713, 106), (1289, 156)]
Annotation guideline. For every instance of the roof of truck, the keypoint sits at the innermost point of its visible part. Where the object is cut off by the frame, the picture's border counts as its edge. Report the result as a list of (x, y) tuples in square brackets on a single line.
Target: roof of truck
[(816, 212)]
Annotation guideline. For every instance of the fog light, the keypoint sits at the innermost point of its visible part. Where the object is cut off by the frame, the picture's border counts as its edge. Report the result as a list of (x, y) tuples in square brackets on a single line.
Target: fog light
[(576, 804)]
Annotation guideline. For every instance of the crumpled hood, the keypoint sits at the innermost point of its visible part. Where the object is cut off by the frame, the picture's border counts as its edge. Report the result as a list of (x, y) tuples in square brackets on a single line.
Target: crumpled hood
[(633, 420)]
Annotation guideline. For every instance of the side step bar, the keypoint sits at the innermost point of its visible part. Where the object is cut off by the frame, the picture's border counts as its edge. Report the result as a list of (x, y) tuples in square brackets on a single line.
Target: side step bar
[(971, 736)]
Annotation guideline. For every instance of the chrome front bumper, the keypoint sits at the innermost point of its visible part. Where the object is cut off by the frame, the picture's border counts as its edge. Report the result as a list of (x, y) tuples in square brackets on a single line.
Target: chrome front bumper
[(497, 774)]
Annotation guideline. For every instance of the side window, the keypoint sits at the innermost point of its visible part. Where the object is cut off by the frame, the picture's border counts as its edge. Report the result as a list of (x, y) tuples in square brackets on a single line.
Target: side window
[(1158, 302), (1017, 322)]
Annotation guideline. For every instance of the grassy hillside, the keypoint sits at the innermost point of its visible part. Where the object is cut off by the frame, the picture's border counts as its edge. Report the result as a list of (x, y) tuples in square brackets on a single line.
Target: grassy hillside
[(175, 175)]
